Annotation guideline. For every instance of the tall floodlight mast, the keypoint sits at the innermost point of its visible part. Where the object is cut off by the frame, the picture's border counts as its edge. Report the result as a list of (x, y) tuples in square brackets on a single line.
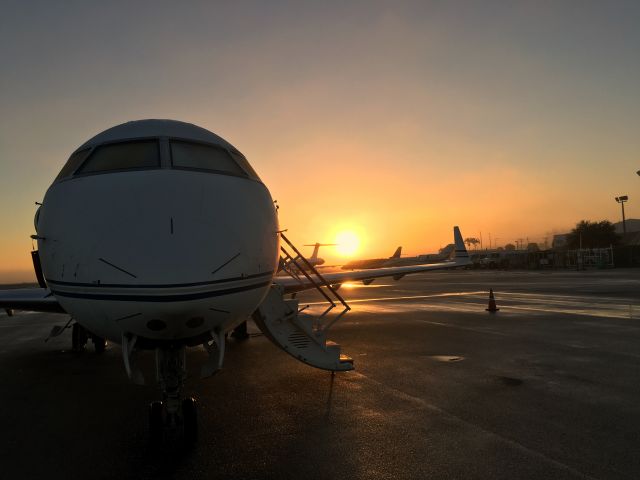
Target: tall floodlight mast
[(621, 200)]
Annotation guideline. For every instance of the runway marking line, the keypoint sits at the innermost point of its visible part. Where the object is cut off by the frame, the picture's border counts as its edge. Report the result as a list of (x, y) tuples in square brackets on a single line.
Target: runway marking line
[(607, 311), (519, 336), (406, 297), (477, 330)]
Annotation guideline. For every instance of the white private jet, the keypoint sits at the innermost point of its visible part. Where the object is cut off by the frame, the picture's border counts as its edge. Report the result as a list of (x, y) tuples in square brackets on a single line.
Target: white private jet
[(159, 235)]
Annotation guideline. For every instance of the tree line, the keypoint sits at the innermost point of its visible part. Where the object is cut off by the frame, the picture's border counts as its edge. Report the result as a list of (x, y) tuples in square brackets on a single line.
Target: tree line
[(586, 234)]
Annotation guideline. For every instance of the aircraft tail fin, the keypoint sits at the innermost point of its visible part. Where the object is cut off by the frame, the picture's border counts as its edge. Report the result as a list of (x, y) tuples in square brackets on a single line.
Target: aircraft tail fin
[(461, 254), (316, 247), (397, 253)]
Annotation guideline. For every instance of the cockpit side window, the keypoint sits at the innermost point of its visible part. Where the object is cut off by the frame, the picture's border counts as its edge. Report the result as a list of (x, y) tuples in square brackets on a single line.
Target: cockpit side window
[(199, 156), (74, 162), (244, 163), (122, 156)]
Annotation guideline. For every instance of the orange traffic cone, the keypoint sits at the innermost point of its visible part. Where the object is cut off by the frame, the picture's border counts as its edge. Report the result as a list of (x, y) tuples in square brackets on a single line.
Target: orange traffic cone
[(492, 302)]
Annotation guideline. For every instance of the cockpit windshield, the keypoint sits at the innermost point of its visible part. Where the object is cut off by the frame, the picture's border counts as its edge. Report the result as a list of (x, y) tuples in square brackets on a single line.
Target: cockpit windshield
[(199, 156), (145, 154), (244, 163), (73, 163), (122, 156)]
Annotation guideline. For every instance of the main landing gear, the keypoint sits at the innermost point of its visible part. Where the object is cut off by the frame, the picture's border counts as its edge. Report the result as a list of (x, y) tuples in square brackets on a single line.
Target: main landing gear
[(241, 332), (80, 336), (172, 412)]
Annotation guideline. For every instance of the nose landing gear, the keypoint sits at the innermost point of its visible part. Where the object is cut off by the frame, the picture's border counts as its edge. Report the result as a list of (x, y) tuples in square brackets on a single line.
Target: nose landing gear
[(159, 419), (190, 420), (172, 412), (156, 421)]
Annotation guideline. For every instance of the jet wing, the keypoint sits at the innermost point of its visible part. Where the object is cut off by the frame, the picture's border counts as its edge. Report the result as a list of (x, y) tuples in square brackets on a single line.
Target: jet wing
[(31, 299), (292, 285), (460, 259)]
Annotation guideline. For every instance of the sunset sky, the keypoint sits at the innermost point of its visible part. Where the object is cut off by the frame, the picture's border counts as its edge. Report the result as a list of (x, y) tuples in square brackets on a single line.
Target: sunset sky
[(392, 120)]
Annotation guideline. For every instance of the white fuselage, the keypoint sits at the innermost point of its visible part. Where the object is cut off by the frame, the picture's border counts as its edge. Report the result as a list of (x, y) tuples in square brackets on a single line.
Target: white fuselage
[(162, 254)]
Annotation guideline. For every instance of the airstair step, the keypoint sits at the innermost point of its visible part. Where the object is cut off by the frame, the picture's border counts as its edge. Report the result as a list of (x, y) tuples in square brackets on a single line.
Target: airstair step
[(346, 359)]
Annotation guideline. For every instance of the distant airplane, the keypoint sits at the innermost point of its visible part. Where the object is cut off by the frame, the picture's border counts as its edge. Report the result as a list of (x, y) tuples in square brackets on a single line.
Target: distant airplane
[(314, 260), (159, 235), (396, 261), (373, 262)]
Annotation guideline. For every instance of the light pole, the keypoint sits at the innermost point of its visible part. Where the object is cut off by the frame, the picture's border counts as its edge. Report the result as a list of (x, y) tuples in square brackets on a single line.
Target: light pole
[(621, 200)]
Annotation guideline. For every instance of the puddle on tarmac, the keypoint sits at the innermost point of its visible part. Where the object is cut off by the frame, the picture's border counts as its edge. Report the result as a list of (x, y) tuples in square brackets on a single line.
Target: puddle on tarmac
[(446, 358), (350, 285), (510, 381)]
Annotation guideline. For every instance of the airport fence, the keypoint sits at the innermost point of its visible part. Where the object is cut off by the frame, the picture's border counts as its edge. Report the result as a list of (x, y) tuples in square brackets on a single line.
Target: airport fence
[(628, 256)]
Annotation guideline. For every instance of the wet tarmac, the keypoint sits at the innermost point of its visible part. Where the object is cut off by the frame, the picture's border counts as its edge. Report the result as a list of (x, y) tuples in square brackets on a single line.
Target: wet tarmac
[(548, 387)]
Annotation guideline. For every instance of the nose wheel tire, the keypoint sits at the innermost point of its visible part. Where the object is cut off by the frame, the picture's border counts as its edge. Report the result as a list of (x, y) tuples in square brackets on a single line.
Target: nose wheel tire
[(156, 422), (190, 420), (157, 416)]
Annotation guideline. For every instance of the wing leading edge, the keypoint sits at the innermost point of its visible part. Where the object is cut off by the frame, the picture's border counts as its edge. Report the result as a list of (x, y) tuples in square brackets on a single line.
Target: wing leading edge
[(30, 299), (460, 259)]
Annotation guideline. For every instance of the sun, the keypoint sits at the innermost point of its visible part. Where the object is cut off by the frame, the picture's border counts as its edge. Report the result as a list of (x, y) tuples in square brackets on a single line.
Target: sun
[(347, 243)]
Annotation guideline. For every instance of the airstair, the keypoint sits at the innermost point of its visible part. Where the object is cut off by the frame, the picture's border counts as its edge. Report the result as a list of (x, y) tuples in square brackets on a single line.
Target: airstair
[(299, 333)]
